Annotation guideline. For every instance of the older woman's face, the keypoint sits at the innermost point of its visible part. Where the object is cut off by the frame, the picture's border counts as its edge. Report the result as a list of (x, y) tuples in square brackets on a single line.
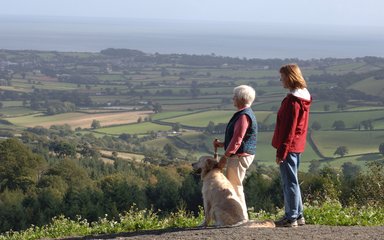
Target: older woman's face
[(237, 102)]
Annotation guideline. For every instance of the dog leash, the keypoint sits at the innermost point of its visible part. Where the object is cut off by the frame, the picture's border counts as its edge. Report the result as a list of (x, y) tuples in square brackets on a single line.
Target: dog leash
[(215, 155)]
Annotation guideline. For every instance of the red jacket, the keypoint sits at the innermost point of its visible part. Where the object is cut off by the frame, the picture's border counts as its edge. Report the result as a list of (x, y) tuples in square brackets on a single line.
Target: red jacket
[(291, 126)]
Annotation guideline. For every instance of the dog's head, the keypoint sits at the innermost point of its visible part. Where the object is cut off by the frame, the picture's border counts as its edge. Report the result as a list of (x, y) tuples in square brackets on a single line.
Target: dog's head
[(205, 164)]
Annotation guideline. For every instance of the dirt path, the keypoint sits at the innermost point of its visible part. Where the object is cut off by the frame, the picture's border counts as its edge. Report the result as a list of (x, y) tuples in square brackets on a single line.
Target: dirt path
[(240, 233)]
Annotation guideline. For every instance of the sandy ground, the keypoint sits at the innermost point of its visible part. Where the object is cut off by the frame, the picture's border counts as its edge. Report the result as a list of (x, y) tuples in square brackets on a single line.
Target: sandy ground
[(304, 232)]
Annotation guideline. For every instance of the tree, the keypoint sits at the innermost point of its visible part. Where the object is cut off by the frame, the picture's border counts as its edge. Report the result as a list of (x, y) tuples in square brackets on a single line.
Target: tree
[(195, 91), (210, 127), (164, 194), (338, 125), (314, 167), (366, 124), (341, 151), (262, 191), (381, 148), (190, 192), (19, 168), (95, 124), (157, 108), (125, 136), (171, 151), (86, 150), (326, 107), (350, 170), (341, 106), (176, 127), (154, 156), (63, 149)]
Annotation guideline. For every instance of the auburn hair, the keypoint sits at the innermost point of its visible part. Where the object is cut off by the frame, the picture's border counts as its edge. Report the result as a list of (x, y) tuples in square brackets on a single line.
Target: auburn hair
[(294, 77)]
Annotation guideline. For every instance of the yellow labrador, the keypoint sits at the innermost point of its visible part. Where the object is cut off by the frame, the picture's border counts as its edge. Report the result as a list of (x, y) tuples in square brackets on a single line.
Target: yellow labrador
[(221, 203)]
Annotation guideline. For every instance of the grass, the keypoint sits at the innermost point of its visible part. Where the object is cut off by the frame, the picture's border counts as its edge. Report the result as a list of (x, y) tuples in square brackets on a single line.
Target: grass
[(244, 74), (378, 124), (351, 119), (165, 115), (330, 213), (357, 142), (42, 84), (11, 104), (76, 119), (345, 68), (137, 128), (359, 160), (16, 111), (370, 86), (111, 77), (266, 154), (124, 155), (201, 119), (334, 214)]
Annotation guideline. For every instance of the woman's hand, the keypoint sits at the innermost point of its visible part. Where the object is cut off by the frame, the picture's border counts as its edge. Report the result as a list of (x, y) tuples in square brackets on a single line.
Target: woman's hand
[(217, 144), (222, 162), (279, 160)]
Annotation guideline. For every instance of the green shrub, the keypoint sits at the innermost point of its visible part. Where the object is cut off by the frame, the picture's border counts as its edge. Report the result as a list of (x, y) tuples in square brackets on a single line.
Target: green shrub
[(334, 214)]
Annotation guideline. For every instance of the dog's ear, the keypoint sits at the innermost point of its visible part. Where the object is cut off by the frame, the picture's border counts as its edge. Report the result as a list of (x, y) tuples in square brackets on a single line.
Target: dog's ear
[(211, 163)]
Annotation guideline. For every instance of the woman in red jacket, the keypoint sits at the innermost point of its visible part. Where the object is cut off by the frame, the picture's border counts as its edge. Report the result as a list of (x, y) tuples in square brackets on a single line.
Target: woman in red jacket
[(289, 139)]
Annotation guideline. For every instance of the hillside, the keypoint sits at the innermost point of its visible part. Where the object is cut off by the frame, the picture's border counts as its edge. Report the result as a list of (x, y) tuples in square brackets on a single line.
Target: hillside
[(130, 92), (99, 134)]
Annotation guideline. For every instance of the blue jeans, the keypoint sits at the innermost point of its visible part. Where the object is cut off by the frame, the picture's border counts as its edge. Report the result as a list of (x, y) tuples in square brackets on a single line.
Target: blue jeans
[(293, 203)]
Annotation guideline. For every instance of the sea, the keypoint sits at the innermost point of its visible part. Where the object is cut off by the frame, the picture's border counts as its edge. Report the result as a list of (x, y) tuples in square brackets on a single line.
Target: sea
[(227, 39)]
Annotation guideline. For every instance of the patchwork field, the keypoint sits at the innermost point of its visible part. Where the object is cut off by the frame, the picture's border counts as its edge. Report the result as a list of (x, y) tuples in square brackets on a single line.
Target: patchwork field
[(123, 155), (76, 119), (201, 119), (357, 142), (135, 128)]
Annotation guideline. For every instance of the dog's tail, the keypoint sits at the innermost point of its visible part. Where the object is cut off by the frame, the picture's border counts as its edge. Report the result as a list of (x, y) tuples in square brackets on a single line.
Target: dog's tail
[(255, 224)]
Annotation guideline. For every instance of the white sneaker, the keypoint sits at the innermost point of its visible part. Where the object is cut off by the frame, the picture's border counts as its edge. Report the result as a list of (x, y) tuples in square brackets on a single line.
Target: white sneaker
[(285, 222), (300, 220)]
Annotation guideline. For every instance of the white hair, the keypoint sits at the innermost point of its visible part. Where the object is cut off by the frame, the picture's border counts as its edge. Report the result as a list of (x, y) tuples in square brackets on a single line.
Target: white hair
[(244, 93)]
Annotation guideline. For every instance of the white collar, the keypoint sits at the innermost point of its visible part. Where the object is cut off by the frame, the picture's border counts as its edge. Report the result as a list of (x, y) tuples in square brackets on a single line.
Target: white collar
[(301, 93)]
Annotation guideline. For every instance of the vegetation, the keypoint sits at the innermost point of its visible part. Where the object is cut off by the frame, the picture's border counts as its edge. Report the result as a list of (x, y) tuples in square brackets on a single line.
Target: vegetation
[(110, 137), (331, 213)]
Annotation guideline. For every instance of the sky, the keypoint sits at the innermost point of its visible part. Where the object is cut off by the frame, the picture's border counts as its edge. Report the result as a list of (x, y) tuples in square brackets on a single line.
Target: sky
[(286, 13)]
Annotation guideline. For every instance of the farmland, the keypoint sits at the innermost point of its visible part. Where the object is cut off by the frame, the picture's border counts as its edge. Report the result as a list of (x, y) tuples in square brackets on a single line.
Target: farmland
[(77, 119), (171, 99)]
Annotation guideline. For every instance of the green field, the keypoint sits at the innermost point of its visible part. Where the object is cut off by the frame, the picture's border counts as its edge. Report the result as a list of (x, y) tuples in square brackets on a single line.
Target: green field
[(370, 86), (39, 118), (166, 115), (11, 104), (351, 119), (357, 142), (16, 111), (137, 128), (360, 160), (114, 81), (201, 119)]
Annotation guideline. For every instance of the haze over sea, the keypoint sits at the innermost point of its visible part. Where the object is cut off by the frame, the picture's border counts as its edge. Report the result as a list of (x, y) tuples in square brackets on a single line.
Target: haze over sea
[(190, 37)]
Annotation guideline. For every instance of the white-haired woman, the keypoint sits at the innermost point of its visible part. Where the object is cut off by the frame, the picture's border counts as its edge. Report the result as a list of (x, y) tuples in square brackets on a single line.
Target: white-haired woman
[(240, 141)]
